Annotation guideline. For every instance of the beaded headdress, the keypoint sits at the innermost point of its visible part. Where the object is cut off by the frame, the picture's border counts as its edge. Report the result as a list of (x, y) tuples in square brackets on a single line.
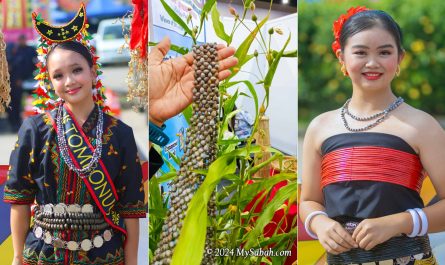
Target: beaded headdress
[(338, 25), (50, 36)]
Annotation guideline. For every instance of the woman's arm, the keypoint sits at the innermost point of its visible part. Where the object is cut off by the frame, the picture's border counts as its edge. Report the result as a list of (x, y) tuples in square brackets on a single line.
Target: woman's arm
[(432, 155), (132, 242), (20, 220), (333, 237), (430, 139)]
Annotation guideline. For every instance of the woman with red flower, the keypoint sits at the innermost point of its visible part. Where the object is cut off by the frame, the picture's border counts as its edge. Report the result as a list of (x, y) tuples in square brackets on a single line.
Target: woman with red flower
[(364, 163)]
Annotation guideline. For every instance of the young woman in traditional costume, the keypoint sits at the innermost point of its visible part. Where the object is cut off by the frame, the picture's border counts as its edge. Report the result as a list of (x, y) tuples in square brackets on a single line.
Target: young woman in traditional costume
[(363, 164), (76, 163)]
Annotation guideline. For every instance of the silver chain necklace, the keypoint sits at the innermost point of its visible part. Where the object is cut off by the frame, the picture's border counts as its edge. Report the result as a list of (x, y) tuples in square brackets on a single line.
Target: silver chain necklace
[(63, 147), (382, 115)]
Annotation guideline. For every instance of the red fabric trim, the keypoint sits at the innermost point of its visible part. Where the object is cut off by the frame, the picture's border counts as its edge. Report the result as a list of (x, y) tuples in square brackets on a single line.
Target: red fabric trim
[(18, 202), (133, 215), (372, 163), (3, 173), (139, 26)]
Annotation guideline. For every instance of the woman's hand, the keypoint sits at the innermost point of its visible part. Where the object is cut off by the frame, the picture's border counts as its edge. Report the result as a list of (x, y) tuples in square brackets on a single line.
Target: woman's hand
[(171, 82), (332, 236), (371, 232), (132, 242)]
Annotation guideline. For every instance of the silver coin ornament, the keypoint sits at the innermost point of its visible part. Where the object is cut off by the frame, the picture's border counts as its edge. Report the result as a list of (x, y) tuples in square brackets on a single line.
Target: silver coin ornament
[(47, 238), (60, 208), (38, 232), (87, 208), (86, 245), (58, 243), (72, 245), (98, 241), (201, 150), (107, 235), (74, 208), (48, 208)]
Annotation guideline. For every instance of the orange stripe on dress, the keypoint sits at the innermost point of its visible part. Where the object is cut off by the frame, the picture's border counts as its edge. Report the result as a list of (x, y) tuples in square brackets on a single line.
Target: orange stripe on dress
[(372, 163)]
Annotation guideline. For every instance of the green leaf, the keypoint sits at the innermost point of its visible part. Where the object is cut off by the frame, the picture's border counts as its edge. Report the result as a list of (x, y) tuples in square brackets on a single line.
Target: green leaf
[(218, 25), (268, 212), (229, 104), (291, 54), (169, 164), (225, 125), (273, 68), (291, 235), (252, 92), (257, 167), (288, 54), (157, 212), (226, 191), (241, 52), (188, 112), (193, 232), (230, 141), (167, 177), (247, 3), (173, 47), (175, 158), (176, 18), (205, 10), (253, 189), (155, 192)]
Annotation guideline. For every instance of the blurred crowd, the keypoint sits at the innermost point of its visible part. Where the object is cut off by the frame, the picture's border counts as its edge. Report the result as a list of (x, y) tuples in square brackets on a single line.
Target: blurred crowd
[(21, 64)]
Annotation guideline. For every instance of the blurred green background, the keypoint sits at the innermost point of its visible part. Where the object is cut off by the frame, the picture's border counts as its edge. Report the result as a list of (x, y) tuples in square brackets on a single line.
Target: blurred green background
[(322, 86)]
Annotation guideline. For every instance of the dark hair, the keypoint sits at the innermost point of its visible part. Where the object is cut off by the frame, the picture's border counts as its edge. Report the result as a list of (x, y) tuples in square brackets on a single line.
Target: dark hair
[(368, 19), (75, 47)]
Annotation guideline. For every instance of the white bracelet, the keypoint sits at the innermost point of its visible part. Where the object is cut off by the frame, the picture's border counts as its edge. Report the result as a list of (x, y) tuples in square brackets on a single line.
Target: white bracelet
[(424, 221), (308, 220), (416, 223)]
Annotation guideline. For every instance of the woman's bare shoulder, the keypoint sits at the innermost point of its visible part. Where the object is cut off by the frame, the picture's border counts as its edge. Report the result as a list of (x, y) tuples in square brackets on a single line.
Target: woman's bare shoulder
[(323, 126)]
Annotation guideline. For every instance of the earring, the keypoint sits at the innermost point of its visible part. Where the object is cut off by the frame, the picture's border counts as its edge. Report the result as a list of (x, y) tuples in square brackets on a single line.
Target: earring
[(343, 70), (398, 70)]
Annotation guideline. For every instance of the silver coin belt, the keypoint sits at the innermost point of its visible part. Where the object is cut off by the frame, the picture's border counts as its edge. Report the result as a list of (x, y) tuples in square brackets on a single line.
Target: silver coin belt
[(82, 172), (50, 218), (382, 115)]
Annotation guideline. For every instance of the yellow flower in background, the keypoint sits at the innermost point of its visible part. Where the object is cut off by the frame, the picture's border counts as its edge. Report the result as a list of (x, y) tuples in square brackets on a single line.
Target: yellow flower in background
[(333, 85), (399, 87), (426, 89), (417, 46), (340, 97), (406, 60), (413, 93), (428, 29)]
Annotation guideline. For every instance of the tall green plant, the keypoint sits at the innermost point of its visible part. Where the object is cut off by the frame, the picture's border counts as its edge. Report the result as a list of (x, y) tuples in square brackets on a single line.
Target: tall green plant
[(236, 227)]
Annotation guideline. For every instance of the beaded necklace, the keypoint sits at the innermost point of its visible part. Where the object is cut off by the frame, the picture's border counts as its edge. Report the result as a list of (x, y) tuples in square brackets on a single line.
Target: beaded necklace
[(61, 141), (382, 115)]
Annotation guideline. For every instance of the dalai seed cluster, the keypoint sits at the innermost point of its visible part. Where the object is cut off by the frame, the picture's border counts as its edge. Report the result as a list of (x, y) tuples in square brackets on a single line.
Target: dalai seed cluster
[(201, 151)]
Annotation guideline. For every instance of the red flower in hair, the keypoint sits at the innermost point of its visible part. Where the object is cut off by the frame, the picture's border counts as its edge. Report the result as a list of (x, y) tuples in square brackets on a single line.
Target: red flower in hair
[(338, 25)]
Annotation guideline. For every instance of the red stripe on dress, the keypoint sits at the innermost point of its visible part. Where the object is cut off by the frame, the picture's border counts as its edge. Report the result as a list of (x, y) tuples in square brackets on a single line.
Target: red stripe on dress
[(372, 163)]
